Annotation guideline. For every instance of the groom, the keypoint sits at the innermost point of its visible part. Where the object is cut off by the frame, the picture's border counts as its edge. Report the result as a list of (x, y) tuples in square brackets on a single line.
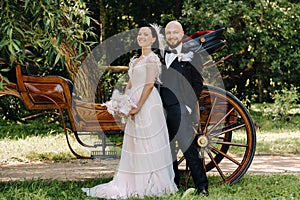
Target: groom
[(180, 90)]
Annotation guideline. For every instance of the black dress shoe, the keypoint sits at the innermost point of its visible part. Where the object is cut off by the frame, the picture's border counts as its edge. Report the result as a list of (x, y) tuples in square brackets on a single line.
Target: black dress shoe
[(203, 192)]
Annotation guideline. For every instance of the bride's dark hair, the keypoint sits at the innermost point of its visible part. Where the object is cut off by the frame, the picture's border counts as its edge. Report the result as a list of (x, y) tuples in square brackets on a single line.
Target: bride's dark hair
[(155, 45)]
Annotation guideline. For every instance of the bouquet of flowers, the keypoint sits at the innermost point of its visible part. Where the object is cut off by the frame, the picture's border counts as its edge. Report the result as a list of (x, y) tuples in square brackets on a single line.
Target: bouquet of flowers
[(120, 105)]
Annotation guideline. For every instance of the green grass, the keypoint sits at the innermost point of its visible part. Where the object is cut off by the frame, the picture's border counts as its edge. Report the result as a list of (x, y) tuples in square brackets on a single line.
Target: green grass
[(43, 138), (250, 187), (50, 147), (267, 124), (35, 127), (276, 137)]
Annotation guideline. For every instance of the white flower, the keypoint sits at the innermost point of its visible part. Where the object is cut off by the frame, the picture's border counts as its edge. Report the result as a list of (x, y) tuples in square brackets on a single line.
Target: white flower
[(185, 57), (119, 104)]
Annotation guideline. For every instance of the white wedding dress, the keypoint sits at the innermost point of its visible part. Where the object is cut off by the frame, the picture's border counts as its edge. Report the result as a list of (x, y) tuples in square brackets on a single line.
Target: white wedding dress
[(145, 167)]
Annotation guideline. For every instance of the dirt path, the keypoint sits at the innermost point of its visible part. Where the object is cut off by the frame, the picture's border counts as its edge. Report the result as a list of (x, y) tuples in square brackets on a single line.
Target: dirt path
[(84, 169)]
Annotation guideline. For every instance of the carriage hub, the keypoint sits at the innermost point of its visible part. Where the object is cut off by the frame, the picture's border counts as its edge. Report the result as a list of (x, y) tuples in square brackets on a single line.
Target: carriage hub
[(202, 141)]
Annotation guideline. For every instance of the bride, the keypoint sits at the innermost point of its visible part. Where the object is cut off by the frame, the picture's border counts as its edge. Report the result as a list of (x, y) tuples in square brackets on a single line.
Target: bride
[(145, 167)]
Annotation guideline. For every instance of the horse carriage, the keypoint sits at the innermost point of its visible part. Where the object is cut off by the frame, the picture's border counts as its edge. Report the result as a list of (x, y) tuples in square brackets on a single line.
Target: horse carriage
[(226, 136)]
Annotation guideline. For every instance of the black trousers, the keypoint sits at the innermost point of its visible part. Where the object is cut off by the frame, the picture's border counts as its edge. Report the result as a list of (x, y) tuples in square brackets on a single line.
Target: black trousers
[(180, 127)]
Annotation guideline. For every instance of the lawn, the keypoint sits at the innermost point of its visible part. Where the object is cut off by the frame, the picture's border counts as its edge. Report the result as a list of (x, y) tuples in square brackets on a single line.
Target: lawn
[(267, 187), (43, 138)]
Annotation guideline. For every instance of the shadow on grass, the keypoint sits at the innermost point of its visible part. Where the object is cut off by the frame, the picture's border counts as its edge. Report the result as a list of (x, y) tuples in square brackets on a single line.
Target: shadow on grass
[(44, 124)]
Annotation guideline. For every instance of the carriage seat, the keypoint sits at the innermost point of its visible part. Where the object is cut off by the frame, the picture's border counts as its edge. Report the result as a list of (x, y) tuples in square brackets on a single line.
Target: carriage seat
[(209, 41), (43, 92)]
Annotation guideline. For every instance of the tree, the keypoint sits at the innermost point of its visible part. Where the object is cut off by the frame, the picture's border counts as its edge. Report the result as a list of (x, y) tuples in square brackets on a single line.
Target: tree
[(53, 35), (263, 37), (48, 34), (117, 16)]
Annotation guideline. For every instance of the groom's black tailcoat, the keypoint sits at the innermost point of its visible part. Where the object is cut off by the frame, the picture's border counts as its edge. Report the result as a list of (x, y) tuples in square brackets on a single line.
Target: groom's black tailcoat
[(181, 86)]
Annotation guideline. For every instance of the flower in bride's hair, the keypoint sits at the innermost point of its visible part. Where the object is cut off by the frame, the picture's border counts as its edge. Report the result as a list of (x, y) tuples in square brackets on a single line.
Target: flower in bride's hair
[(161, 41), (119, 105)]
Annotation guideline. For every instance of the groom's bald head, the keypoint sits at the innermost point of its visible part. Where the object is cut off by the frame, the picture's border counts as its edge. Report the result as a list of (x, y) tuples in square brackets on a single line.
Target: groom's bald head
[(174, 33), (174, 24)]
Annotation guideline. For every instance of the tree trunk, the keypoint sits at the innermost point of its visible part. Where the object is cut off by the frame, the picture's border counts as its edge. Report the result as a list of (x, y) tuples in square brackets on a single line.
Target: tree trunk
[(84, 76)]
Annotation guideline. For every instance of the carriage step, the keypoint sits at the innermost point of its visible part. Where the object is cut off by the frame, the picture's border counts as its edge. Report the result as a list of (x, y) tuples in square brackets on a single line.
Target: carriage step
[(100, 144), (104, 154)]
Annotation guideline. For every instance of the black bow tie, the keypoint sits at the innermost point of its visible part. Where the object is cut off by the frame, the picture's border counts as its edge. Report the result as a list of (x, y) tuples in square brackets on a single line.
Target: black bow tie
[(171, 51)]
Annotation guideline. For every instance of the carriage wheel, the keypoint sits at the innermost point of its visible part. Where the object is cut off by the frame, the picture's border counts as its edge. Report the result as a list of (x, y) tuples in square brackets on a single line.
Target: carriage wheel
[(226, 137)]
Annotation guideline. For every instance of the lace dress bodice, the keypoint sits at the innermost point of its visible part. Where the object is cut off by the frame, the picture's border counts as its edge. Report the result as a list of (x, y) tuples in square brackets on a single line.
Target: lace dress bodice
[(145, 70)]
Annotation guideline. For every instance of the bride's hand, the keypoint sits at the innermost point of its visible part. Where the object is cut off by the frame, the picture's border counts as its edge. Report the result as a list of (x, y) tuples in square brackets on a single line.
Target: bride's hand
[(133, 111), (120, 115)]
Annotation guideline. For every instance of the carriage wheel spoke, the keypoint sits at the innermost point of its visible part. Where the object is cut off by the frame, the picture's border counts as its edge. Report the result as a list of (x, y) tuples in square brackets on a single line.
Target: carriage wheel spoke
[(216, 165), (227, 134), (230, 143), (219, 122), (188, 178), (180, 160), (219, 132), (209, 116), (217, 151)]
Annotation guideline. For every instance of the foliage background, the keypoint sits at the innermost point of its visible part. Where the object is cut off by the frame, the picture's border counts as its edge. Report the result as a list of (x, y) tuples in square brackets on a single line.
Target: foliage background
[(264, 38), (262, 35), (41, 32)]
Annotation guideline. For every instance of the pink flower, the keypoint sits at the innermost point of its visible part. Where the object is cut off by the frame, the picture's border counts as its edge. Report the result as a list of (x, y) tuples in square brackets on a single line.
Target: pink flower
[(185, 57), (119, 104)]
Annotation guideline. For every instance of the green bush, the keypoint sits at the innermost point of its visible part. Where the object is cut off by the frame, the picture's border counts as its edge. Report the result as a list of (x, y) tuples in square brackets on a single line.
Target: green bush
[(284, 102)]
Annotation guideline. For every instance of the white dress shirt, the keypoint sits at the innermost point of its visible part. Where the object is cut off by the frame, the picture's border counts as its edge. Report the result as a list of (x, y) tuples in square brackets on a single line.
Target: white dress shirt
[(170, 57)]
